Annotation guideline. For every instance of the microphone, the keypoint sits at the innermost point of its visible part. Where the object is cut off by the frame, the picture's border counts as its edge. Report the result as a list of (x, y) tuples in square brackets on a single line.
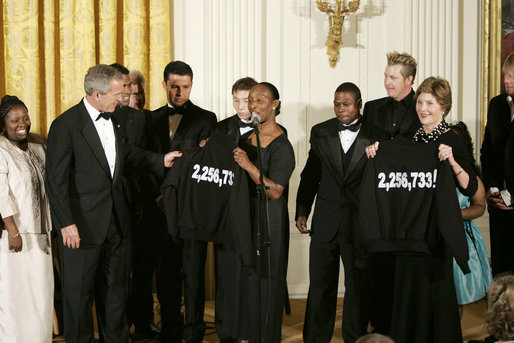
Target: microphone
[(255, 119)]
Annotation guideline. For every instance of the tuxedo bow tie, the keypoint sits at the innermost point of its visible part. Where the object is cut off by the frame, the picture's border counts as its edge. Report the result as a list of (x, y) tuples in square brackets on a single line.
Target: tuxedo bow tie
[(243, 124), (175, 110), (104, 115), (353, 127)]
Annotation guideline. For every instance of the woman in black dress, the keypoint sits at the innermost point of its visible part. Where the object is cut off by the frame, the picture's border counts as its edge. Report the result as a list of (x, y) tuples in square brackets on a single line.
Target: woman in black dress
[(278, 163), (424, 300)]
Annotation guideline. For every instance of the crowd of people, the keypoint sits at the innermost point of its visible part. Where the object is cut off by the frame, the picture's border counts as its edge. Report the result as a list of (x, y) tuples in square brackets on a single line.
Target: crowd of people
[(131, 195)]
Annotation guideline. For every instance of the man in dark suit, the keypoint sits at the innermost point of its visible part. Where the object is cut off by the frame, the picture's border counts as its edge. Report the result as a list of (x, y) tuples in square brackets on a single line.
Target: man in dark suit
[(85, 161), (396, 113), (333, 174), (132, 119), (179, 124), (140, 305), (494, 156)]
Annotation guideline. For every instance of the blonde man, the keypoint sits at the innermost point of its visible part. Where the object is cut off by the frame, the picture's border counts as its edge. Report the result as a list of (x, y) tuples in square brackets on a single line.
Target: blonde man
[(396, 113), (137, 96)]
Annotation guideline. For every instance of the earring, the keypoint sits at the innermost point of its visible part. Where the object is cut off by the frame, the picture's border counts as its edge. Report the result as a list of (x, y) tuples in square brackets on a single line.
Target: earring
[(273, 108)]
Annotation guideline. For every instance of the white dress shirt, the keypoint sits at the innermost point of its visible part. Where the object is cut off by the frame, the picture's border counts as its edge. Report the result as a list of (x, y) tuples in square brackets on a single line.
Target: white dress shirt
[(245, 129), (105, 130), (347, 137)]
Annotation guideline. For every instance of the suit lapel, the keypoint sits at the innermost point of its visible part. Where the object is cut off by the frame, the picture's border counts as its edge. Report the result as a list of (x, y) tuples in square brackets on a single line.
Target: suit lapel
[(360, 144), (335, 150), (90, 134), (162, 127), (181, 130)]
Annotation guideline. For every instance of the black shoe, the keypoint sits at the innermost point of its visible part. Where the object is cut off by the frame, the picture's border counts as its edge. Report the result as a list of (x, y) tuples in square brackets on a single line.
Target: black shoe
[(149, 332)]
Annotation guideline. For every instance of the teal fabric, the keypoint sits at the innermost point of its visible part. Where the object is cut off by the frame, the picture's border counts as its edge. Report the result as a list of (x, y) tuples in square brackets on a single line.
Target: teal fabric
[(473, 286)]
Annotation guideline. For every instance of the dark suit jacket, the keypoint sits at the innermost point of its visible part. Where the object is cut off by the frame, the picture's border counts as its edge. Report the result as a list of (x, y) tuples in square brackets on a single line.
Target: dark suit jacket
[(336, 191), (492, 153), (79, 183), (133, 124), (375, 112), (196, 124)]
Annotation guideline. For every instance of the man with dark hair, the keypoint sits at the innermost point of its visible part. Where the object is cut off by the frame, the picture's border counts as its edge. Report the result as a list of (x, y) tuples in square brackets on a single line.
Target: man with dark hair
[(178, 125), (86, 156), (241, 120), (396, 113), (132, 122), (127, 85), (333, 174)]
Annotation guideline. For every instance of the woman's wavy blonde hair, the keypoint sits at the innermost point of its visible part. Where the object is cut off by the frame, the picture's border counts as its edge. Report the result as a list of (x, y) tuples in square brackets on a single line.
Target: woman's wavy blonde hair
[(500, 309)]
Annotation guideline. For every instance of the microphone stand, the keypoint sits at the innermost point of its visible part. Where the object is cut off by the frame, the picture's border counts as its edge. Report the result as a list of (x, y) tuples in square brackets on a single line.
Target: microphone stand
[(262, 235)]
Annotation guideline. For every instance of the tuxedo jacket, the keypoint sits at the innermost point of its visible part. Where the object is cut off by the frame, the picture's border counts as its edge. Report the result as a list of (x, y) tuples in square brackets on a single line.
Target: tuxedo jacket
[(376, 113), (336, 190), (133, 122), (196, 124), (493, 151), (80, 187)]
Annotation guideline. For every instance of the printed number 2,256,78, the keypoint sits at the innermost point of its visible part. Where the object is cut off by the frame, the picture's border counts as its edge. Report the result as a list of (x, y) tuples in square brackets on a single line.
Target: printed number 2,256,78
[(407, 181), (211, 174)]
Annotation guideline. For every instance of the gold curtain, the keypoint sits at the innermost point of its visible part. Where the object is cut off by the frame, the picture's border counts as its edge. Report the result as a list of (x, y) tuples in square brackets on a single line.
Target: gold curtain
[(491, 52), (47, 46)]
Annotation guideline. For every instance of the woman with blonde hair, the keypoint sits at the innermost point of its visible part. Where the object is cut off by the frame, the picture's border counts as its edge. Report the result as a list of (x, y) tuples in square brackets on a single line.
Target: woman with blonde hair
[(500, 308)]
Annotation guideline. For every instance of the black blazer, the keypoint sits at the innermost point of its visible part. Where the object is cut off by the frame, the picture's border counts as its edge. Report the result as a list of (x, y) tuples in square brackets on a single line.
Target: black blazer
[(492, 153), (80, 188), (322, 177), (509, 162), (133, 122), (196, 124), (375, 112)]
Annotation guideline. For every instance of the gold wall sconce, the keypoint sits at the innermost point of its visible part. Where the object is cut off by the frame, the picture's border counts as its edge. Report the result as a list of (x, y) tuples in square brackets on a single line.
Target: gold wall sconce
[(336, 13)]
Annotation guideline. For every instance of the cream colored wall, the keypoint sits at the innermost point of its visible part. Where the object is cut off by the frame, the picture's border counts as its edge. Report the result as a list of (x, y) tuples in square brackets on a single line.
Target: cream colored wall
[(283, 42)]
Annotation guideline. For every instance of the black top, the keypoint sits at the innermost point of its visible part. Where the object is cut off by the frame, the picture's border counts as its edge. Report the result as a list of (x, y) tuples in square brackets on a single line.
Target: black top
[(397, 118)]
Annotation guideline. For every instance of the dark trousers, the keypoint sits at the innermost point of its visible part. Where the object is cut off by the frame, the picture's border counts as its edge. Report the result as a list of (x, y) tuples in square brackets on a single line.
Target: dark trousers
[(194, 255), (501, 227), (169, 290), (155, 251), (99, 272), (145, 258), (322, 298)]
